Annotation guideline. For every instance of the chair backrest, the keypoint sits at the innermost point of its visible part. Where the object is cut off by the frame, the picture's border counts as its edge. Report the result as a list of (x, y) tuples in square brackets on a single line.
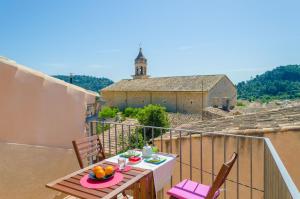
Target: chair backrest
[(222, 175), (89, 149)]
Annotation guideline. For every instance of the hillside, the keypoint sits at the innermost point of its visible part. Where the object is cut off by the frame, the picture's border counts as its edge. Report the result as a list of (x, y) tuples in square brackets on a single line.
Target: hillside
[(282, 82), (87, 82)]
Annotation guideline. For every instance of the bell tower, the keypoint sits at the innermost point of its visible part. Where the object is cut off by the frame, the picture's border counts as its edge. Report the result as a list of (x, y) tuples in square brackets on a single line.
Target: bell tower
[(140, 63)]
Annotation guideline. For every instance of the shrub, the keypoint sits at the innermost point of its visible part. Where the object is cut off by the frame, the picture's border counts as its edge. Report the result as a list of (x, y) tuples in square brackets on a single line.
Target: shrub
[(131, 112), (153, 115), (128, 111), (133, 141), (240, 103), (136, 140), (108, 112), (102, 127), (265, 99), (105, 113)]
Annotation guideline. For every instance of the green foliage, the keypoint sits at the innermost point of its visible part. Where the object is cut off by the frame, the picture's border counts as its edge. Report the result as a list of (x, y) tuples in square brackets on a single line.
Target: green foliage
[(131, 112), (87, 82), (102, 128), (136, 140), (281, 83), (133, 141), (153, 115), (155, 149), (107, 112), (240, 103)]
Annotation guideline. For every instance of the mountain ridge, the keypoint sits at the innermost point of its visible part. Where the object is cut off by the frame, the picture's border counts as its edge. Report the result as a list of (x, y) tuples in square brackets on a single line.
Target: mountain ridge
[(282, 82), (87, 82)]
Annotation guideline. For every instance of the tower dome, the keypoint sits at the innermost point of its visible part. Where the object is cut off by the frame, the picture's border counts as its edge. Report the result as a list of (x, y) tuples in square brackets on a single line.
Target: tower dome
[(140, 57)]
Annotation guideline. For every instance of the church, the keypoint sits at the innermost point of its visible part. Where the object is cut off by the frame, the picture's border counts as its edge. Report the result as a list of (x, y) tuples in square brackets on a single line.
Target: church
[(184, 94)]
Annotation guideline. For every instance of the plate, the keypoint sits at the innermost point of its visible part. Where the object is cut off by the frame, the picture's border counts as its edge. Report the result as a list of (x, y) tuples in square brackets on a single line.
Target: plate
[(127, 168), (158, 161), (134, 162), (107, 177), (126, 155)]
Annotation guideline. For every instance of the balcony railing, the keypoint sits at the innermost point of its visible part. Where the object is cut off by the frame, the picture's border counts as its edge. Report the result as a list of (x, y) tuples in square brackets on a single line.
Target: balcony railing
[(278, 183), (258, 172)]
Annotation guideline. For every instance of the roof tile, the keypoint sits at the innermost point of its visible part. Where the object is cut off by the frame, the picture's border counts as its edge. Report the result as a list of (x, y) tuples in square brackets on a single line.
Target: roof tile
[(179, 83)]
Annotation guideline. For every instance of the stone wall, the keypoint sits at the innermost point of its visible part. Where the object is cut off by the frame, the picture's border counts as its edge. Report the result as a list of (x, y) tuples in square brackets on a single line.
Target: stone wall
[(165, 99), (190, 102), (184, 102), (115, 99), (138, 99), (222, 91)]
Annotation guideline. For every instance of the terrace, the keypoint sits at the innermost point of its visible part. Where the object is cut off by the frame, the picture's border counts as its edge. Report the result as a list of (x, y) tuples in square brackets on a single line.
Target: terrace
[(258, 173)]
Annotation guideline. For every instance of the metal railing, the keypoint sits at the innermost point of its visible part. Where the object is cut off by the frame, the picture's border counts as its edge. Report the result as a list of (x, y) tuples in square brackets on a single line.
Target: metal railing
[(278, 183), (201, 155)]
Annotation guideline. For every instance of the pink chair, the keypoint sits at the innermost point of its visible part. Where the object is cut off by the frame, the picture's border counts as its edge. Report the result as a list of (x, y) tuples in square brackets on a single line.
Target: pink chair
[(188, 189)]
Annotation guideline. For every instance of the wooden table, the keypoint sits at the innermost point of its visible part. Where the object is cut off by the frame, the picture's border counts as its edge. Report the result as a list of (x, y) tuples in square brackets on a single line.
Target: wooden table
[(139, 180)]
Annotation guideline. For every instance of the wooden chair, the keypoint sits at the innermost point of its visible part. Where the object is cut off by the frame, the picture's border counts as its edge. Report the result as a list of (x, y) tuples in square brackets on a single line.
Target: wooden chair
[(188, 189), (88, 149)]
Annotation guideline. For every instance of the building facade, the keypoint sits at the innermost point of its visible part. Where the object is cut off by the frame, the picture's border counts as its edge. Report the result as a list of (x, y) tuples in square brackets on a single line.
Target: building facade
[(186, 94), (38, 109)]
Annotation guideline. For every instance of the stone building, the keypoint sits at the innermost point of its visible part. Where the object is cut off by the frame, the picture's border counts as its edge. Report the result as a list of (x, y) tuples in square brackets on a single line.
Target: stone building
[(186, 94)]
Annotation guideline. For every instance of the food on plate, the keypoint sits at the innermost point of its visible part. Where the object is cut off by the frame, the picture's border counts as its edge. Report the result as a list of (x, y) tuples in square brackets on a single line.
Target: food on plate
[(97, 168), (134, 159), (100, 174), (109, 170)]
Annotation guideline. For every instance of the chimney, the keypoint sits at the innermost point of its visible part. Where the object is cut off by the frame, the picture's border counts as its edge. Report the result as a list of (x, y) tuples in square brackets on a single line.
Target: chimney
[(71, 78)]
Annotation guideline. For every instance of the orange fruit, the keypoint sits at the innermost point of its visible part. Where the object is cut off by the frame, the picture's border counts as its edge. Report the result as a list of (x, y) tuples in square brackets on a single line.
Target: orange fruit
[(97, 168), (100, 173), (109, 170)]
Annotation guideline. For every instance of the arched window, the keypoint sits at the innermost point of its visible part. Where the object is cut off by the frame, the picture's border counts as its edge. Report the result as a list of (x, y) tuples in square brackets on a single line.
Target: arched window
[(142, 71)]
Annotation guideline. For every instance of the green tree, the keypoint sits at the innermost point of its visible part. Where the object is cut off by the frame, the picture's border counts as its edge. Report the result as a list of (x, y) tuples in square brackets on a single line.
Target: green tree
[(131, 112), (107, 112), (282, 82), (87, 82), (153, 115), (133, 141)]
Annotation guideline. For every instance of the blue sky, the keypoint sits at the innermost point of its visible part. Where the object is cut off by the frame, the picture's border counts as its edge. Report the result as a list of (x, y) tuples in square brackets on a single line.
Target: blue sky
[(101, 38)]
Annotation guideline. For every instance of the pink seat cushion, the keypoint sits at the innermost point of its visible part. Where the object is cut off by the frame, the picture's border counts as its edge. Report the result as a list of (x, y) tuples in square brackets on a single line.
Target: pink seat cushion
[(188, 189)]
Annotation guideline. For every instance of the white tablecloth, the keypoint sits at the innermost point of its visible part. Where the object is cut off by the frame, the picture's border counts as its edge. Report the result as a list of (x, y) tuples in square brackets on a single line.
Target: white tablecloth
[(161, 173)]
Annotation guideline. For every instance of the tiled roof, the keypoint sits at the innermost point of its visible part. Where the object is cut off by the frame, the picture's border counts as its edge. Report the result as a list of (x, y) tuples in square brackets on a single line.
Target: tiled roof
[(276, 120), (140, 55), (179, 83)]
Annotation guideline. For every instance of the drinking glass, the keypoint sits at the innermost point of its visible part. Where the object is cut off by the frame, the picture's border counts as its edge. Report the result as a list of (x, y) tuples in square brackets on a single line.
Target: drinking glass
[(121, 163)]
